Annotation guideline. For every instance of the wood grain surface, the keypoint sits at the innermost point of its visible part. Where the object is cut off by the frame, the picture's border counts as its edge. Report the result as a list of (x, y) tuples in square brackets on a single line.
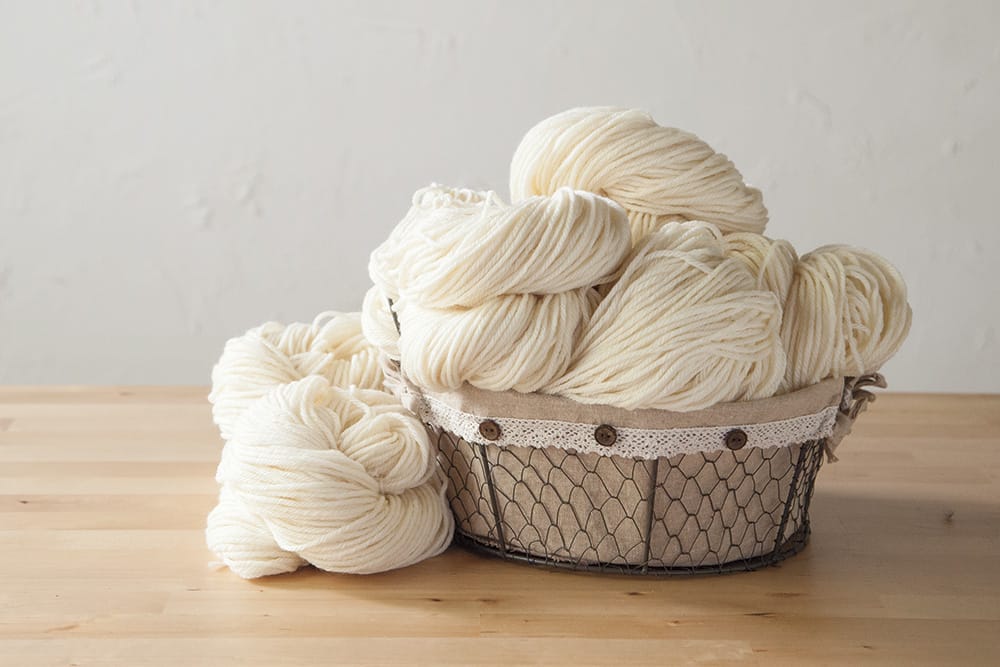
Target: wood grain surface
[(104, 492)]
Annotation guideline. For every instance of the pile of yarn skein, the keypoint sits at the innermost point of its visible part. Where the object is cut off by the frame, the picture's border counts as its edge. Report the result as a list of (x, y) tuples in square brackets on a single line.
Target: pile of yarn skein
[(630, 269)]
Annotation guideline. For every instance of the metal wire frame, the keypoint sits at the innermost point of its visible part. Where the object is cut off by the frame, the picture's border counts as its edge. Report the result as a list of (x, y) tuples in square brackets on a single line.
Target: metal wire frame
[(690, 514)]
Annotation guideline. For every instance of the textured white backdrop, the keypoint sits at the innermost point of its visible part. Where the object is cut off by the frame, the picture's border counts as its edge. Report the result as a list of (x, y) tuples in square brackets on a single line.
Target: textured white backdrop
[(172, 173)]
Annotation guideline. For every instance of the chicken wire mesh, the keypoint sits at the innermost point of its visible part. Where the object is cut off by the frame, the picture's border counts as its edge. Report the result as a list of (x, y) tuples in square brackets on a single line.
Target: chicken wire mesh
[(692, 513)]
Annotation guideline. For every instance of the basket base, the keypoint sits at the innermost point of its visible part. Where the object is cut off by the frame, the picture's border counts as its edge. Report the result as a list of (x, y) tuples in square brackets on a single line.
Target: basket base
[(795, 543)]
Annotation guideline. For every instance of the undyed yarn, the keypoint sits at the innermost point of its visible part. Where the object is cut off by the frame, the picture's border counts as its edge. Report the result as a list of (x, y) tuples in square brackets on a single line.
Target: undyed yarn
[(378, 322), (684, 327), (659, 174), (343, 477), (491, 294), (696, 318), (333, 347), (512, 341), (459, 248), (771, 261), (846, 314)]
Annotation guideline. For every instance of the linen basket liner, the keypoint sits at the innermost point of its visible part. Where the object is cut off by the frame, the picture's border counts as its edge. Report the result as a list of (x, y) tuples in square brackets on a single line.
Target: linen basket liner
[(539, 420)]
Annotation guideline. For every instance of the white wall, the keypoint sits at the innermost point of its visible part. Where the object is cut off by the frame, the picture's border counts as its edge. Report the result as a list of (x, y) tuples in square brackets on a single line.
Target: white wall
[(172, 173)]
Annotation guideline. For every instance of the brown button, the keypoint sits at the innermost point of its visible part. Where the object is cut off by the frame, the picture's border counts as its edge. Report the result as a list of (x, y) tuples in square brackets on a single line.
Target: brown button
[(605, 435), (736, 438), (489, 429)]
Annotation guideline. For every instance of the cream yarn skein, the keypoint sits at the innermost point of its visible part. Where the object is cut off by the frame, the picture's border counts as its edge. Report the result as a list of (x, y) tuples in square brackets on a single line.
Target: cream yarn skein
[(460, 247), (344, 479), (771, 261), (659, 174), (846, 314), (333, 347), (513, 341), (682, 329), (443, 204), (491, 294)]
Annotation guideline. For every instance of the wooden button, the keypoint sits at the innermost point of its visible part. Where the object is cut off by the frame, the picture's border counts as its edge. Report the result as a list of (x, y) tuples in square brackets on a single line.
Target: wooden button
[(605, 435), (490, 430), (736, 439)]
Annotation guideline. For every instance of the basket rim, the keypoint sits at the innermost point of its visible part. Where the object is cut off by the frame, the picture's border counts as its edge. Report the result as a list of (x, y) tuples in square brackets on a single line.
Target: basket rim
[(543, 421), (536, 406)]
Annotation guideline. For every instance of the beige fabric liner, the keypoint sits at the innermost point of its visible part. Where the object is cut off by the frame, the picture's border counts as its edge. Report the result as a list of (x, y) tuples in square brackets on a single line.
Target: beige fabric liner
[(515, 405)]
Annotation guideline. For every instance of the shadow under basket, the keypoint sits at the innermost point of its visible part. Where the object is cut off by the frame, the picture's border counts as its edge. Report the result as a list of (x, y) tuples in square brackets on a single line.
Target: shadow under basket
[(736, 497)]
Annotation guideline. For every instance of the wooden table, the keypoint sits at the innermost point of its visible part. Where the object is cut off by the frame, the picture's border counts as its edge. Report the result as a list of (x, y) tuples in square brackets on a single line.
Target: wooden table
[(104, 492)]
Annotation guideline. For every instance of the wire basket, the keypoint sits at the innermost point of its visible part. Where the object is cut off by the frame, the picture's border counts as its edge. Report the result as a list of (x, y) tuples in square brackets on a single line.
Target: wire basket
[(525, 490)]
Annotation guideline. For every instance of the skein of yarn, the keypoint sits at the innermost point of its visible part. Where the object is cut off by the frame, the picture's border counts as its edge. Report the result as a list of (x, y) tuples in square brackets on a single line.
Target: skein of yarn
[(491, 294), (684, 327), (320, 465), (460, 247), (771, 261), (333, 347), (846, 314), (344, 479), (435, 201), (513, 341), (658, 174)]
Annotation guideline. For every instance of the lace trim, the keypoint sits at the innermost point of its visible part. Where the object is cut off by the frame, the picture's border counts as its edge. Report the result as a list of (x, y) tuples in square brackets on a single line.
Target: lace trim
[(630, 442)]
